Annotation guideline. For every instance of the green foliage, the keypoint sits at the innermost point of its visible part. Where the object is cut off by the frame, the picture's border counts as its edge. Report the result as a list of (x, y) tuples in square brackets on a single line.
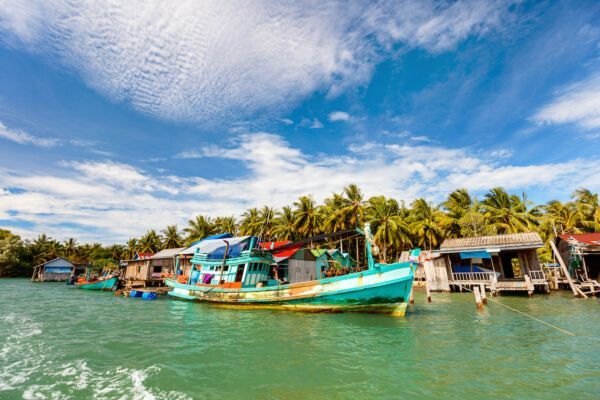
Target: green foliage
[(395, 227)]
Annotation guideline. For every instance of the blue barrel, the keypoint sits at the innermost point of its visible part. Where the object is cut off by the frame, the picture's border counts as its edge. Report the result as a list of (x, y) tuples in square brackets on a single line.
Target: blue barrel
[(135, 293), (149, 296)]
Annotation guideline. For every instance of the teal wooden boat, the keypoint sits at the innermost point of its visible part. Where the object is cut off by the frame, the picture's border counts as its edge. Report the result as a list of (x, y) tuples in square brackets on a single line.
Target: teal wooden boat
[(242, 279), (105, 283)]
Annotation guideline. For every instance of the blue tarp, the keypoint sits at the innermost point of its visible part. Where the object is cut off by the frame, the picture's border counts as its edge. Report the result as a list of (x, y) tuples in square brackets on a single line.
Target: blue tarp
[(218, 236), (475, 254), (58, 270), (234, 250)]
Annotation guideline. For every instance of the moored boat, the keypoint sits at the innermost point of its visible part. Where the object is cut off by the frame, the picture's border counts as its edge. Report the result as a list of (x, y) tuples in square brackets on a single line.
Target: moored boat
[(239, 275), (104, 283)]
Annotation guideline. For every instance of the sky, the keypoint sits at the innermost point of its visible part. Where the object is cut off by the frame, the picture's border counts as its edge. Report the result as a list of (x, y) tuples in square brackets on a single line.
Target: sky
[(119, 117)]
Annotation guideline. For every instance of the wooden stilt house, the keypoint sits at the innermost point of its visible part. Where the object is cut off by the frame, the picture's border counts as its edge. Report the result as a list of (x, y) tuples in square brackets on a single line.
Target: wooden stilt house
[(502, 263)]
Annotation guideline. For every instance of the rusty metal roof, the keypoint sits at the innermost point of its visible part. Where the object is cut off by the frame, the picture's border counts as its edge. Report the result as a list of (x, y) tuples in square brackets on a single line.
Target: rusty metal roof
[(508, 241)]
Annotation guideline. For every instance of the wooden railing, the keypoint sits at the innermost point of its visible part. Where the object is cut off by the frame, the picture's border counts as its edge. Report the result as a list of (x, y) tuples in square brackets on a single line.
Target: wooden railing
[(537, 275), (482, 277)]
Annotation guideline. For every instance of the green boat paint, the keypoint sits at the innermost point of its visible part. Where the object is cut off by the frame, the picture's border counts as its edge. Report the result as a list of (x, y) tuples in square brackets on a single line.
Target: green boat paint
[(242, 281)]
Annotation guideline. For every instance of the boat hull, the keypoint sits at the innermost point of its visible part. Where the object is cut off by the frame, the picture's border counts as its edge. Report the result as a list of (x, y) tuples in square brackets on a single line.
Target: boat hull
[(381, 290), (103, 284)]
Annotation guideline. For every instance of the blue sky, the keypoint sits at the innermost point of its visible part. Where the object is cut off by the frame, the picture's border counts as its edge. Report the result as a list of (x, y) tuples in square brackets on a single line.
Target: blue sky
[(119, 118)]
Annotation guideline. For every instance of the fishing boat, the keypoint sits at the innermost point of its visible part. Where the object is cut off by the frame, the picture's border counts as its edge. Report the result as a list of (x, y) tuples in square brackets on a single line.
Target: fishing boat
[(106, 282), (239, 274)]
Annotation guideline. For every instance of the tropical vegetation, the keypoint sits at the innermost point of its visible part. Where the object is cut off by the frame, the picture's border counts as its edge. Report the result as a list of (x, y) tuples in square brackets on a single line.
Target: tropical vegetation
[(396, 226)]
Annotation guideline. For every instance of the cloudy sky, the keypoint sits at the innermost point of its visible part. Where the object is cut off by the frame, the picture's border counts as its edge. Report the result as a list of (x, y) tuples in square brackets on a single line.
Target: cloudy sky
[(117, 117)]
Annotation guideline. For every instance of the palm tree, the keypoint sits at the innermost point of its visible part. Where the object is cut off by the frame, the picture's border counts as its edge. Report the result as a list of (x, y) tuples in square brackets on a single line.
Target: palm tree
[(150, 242), (250, 222), (116, 251), (332, 213), (353, 211), (266, 222), (391, 229), (70, 247), (171, 237), (458, 204), (226, 225), (132, 248), (199, 228), (561, 218), (507, 213), (307, 219), (284, 225), (426, 224), (588, 208)]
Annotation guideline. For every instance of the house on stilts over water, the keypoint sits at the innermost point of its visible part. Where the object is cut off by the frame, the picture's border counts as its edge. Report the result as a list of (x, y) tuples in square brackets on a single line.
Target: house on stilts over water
[(502, 263)]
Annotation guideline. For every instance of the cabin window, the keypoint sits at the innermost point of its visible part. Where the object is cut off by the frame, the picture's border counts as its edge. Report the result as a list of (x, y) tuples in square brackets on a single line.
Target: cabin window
[(212, 268), (226, 268), (157, 269)]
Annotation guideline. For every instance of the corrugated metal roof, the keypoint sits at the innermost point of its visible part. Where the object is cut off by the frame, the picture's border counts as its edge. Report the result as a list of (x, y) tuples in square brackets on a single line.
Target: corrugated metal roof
[(167, 253), (588, 238), (513, 240), (211, 244)]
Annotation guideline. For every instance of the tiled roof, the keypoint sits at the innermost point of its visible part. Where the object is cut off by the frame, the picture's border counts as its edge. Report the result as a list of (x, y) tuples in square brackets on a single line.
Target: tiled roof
[(513, 240)]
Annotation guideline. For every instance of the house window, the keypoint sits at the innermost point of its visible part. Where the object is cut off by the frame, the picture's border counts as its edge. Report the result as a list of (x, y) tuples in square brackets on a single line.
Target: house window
[(139, 269)]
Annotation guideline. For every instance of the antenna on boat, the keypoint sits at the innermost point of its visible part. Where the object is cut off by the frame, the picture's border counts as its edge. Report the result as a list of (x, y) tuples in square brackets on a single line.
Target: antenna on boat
[(224, 260)]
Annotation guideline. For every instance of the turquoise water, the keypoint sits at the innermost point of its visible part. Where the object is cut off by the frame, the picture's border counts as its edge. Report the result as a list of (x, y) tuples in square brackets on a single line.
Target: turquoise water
[(58, 342)]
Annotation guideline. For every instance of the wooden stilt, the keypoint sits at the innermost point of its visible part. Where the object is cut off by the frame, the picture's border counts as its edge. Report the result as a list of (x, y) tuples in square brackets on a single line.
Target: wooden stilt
[(412, 297), (483, 295), (428, 292), (576, 291), (478, 300)]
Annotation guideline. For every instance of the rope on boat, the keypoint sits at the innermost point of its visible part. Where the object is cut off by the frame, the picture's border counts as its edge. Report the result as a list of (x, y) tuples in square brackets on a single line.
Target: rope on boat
[(527, 315)]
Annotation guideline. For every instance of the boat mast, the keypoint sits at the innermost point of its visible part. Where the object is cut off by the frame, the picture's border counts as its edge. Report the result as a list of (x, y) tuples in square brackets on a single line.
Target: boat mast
[(224, 260)]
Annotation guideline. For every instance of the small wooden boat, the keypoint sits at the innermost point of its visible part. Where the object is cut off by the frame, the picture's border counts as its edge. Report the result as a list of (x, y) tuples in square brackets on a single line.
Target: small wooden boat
[(244, 281), (104, 283)]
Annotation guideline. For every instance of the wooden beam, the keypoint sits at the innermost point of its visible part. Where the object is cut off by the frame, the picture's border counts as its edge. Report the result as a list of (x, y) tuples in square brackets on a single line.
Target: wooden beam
[(575, 289)]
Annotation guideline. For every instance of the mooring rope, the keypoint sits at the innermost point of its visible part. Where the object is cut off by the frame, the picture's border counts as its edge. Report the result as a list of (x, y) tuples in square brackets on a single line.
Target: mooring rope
[(527, 315)]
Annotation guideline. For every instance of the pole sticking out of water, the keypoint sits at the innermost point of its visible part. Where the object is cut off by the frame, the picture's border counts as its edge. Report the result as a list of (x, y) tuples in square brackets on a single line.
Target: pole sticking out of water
[(411, 297), (478, 300), (522, 313), (428, 292), (483, 295)]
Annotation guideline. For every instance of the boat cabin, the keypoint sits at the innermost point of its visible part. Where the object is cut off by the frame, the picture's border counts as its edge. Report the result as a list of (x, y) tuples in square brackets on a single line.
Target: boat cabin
[(501, 262), (58, 270)]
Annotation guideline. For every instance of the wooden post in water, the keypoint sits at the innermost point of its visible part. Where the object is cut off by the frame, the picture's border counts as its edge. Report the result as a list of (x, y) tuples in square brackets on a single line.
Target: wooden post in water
[(483, 295), (478, 298), (428, 292), (529, 285), (411, 297)]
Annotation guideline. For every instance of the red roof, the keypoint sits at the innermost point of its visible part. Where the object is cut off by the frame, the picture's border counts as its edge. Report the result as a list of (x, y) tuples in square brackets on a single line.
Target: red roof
[(272, 245), (142, 256), (589, 238)]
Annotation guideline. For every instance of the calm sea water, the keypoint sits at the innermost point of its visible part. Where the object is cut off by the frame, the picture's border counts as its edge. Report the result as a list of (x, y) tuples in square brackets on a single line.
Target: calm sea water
[(58, 342)]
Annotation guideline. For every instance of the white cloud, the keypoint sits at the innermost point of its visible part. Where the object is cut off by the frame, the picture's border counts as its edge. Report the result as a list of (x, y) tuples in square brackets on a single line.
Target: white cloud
[(210, 60), (577, 104), (501, 153), (287, 121), (21, 137), (316, 124), (339, 116), (111, 201)]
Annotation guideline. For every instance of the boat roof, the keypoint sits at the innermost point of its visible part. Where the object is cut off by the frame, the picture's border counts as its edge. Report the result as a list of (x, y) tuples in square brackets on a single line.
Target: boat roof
[(208, 245)]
